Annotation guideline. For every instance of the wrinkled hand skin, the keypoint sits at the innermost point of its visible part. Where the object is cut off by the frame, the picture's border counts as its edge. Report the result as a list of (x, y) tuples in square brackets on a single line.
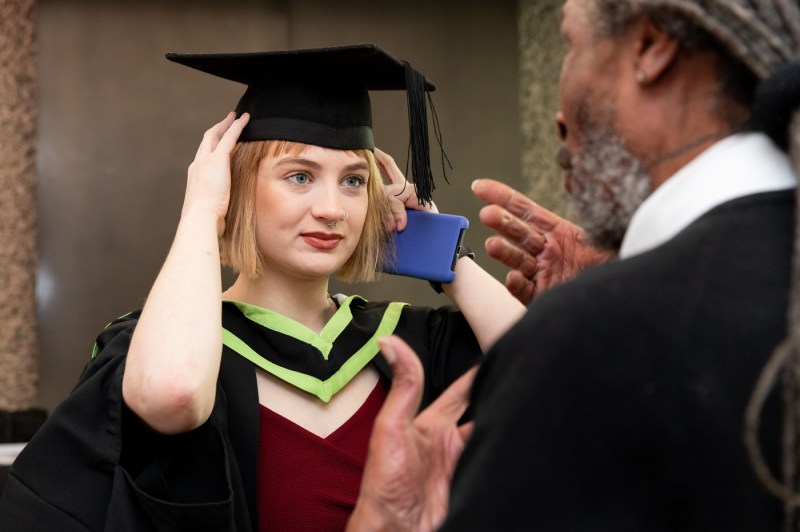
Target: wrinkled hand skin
[(411, 458), (541, 248)]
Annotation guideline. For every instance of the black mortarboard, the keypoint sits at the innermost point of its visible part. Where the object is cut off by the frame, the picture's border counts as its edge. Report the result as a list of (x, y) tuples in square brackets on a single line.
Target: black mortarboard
[(320, 96)]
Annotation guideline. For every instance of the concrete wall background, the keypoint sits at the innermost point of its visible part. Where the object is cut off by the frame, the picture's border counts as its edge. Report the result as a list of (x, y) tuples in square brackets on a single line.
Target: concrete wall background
[(118, 125), (18, 209), (540, 52)]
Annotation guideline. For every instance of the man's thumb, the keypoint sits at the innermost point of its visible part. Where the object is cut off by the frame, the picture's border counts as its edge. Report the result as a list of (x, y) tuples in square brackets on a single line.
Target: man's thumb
[(404, 397)]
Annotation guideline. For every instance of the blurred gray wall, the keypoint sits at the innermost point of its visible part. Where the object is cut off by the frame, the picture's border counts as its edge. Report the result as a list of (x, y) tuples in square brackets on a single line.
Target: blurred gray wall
[(118, 125)]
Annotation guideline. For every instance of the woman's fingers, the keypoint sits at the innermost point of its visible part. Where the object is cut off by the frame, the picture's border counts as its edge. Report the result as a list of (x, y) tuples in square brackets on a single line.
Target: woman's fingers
[(391, 172), (213, 134), (397, 213), (400, 193), (227, 131), (208, 178), (231, 135)]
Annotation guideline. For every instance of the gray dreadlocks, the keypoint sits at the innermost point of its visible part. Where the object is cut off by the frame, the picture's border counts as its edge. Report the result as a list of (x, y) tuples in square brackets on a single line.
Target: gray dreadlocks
[(757, 43)]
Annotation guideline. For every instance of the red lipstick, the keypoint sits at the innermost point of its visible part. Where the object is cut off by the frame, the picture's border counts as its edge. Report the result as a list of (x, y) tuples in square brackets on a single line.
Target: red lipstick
[(322, 240)]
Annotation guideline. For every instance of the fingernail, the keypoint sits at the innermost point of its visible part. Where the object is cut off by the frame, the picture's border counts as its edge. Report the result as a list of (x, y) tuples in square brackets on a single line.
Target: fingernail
[(475, 183), (388, 352)]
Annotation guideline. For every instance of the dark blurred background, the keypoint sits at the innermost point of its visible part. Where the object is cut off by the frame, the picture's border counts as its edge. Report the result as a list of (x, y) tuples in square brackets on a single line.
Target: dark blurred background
[(117, 125)]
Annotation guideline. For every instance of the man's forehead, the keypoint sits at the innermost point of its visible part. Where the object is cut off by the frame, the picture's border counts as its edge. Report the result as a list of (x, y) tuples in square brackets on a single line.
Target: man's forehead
[(576, 8), (577, 13)]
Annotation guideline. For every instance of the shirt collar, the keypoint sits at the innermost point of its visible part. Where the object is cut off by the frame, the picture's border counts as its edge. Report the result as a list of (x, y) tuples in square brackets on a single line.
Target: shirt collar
[(736, 166)]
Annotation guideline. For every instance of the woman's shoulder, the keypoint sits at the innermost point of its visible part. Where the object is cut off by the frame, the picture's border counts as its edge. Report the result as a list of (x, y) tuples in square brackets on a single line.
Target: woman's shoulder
[(117, 332), (115, 326)]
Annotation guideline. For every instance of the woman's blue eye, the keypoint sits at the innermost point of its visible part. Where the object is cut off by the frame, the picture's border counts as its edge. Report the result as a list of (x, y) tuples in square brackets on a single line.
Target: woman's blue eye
[(353, 181), (300, 179)]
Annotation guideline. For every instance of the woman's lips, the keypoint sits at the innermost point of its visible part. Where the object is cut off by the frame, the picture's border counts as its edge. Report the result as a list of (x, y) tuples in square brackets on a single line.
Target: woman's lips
[(322, 240)]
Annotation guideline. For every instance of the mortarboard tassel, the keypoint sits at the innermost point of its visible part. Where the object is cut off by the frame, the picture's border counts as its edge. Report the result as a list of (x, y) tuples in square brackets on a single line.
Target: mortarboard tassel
[(418, 130), (437, 131)]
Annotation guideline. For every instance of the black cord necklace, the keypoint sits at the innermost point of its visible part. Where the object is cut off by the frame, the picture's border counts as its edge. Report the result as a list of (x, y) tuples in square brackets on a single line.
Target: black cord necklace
[(716, 135)]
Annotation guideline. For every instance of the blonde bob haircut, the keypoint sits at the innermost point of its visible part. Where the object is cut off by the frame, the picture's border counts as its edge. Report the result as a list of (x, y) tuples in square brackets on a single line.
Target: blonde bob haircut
[(238, 244)]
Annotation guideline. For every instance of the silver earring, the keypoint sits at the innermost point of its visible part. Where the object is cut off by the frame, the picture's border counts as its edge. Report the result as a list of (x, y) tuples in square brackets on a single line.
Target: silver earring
[(641, 77)]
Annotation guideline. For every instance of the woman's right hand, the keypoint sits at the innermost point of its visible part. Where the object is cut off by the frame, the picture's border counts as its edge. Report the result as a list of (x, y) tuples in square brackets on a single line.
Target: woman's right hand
[(209, 178)]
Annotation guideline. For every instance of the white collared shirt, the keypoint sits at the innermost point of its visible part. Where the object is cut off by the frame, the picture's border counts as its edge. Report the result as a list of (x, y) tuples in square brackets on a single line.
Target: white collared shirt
[(736, 166)]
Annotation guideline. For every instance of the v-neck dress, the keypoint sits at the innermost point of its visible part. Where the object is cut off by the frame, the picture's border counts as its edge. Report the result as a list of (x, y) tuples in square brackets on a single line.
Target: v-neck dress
[(94, 466), (311, 483)]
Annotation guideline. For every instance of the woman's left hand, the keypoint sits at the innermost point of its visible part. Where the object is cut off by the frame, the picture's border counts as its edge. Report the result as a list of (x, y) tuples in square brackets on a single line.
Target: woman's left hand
[(400, 194)]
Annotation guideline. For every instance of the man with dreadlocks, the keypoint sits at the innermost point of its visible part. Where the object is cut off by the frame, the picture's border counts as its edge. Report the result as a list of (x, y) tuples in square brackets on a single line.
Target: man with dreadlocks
[(640, 395)]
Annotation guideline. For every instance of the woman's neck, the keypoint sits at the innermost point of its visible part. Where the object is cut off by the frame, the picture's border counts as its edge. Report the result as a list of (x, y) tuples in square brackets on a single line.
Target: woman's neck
[(305, 301)]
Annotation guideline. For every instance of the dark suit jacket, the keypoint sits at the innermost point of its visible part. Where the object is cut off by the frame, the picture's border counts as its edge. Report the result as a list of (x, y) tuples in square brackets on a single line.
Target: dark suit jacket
[(617, 402)]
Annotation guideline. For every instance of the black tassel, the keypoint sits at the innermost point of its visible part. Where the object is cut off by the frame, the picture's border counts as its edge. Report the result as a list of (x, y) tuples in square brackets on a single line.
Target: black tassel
[(418, 131), (437, 131)]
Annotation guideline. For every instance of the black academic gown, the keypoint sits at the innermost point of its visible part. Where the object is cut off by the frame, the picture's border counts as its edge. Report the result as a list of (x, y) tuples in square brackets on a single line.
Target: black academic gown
[(93, 466), (617, 402)]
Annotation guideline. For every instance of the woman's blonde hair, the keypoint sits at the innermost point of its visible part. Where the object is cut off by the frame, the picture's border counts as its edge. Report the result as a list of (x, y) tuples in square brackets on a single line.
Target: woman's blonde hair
[(238, 245)]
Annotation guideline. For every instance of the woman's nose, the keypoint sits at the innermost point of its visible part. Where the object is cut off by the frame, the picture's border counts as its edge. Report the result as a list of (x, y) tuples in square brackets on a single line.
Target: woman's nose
[(328, 204)]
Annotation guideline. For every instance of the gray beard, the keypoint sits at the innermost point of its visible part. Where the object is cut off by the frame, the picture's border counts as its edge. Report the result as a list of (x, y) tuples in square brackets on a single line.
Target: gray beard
[(609, 184)]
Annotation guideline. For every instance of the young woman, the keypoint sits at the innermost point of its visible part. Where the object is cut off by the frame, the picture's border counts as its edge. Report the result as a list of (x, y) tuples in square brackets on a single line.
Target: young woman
[(255, 414)]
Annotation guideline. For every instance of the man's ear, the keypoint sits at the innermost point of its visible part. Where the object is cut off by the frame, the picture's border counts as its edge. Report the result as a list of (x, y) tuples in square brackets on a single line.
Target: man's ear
[(654, 51)]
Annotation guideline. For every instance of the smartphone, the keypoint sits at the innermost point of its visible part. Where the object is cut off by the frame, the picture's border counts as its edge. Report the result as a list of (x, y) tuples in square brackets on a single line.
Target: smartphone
[(428, 247)]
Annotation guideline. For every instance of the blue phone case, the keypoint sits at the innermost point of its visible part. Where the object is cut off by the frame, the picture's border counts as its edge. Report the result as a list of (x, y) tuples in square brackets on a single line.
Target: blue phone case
[(428, 247)]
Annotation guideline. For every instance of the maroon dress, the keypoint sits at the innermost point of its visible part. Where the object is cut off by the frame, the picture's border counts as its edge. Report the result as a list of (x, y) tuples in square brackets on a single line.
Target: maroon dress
[(306, 482)]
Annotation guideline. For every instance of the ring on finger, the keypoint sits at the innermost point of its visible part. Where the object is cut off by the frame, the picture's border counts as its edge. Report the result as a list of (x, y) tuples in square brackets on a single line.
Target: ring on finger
[(405, 183)]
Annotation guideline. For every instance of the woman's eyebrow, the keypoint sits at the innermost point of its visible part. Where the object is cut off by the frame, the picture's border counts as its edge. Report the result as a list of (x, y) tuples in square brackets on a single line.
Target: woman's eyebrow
[(361, 165), (297, 160)]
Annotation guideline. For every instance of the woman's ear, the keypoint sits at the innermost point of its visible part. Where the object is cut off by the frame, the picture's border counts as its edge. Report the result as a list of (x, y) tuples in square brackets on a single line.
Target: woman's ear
[(655, 50)]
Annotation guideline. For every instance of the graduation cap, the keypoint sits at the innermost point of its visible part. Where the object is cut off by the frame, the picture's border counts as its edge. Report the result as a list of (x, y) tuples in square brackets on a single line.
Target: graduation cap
[(320, 96)]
